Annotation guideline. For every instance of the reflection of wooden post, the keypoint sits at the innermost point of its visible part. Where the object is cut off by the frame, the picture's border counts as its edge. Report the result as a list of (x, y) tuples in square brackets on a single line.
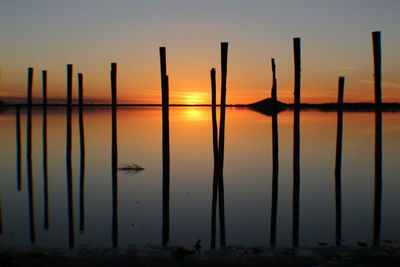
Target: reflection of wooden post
[(338, 164), (297, 70), (378, 178), (296, 178), (44, 141), (82, 157), (274, 85), (376, 39), (165, 145), (275, 173), (70, 199), (215, 153), (29, 173), (18, 142), (29, 86), (114, 155)]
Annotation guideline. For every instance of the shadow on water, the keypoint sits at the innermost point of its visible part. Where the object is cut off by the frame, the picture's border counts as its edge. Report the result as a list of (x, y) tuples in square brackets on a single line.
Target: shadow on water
[(378, 179)]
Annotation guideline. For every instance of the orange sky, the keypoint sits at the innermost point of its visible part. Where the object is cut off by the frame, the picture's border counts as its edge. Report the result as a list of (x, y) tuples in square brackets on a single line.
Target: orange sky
[(335, 39)]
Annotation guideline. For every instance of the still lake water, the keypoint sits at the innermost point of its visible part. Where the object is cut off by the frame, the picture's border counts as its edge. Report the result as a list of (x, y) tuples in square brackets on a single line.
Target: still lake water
[(137, 215)]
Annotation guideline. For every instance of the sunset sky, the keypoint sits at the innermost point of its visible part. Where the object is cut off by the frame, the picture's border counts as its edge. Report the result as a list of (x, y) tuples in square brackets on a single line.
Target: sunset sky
[(90, 34)]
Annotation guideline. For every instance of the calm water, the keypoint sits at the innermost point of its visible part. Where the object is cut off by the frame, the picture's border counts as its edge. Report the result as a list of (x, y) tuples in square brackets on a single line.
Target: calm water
[(126, 210)]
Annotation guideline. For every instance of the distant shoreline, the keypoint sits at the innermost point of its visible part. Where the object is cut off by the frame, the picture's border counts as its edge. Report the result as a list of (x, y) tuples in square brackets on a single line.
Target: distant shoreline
[(283, 106)]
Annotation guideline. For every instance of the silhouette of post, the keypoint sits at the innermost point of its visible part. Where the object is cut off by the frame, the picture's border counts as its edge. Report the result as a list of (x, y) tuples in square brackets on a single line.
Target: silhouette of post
[(215, 153), (376, 41), (44, 143), (114, 155), (165, 145), (274, 83), (18, 143), (70, 200), (29, 86), (69, 84), (297, 70), (338, 164), (221, 143), (378, 178), (296, 143), (29, 173), (275, 173), (82, 157)]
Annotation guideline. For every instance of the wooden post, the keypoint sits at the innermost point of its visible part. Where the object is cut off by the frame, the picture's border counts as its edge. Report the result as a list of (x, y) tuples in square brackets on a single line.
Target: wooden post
[(44, 148), (70, 197), (44, 87), (341, 90), (376, 41), (338, 164), (274, 85), (164, 84), (114, 84), (297, 70), (29, 86), (165, 145), (80, 89), (215, 154), (221, 143), (82, 158), (69, 85)]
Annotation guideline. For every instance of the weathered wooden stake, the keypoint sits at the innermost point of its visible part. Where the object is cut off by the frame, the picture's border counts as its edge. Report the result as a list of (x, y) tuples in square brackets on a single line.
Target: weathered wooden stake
[(82, 158), (221, 143), (165, 145), (114, 84), (215, 154), (80, 89), (44, 87), (297, 70), (44, 148), (69, 85), (338, 164), (274, 85), (376, 41), (29, 86)]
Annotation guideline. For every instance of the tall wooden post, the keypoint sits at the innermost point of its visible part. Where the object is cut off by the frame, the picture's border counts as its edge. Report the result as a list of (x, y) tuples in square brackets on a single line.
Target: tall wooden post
[(376, 42), (274, 85), (69, 85), (297, 70), (29, 86)]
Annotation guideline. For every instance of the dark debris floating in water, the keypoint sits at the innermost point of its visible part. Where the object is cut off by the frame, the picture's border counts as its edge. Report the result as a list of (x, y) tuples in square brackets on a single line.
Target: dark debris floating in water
[(131, 168)]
